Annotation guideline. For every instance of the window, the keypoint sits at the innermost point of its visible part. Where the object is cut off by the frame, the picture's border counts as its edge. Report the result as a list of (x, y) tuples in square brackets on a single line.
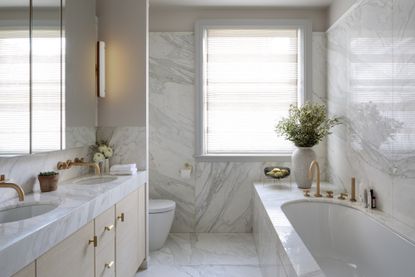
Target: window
[(249, 73), (31, 95), (14, 91)]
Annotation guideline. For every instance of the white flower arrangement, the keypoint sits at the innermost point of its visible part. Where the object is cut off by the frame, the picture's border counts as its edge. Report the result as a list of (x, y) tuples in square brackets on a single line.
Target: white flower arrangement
[(98, 157), (102, 151)]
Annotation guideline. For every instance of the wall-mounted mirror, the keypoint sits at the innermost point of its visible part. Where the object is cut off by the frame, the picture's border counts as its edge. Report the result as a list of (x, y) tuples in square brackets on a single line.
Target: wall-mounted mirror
[(47, 75)]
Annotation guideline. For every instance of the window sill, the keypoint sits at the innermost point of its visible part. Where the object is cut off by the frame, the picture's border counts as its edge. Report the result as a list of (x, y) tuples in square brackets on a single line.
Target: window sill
[(244, 158)]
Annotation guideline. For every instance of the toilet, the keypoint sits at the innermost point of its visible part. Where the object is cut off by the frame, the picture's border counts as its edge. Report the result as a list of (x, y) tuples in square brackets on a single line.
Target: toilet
[(161, 214)]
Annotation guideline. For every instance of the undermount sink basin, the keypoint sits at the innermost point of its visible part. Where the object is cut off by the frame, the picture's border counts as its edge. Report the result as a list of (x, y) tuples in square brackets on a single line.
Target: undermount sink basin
[(24, 212), (96, 180)]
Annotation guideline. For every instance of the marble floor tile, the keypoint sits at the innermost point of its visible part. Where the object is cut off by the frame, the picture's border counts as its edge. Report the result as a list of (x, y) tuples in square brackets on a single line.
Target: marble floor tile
[(176, 251), (201, 271), (223, 249), (205, 255)]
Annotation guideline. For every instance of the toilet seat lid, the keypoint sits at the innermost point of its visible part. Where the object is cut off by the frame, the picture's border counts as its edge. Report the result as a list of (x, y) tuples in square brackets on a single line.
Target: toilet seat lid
[(161, 206)]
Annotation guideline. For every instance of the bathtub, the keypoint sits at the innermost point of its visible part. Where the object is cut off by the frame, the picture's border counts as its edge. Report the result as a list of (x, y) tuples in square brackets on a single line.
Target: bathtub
[(345, 241)]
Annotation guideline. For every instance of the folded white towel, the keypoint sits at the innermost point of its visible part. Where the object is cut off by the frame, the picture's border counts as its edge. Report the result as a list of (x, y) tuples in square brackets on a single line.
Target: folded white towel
[(121, 167)]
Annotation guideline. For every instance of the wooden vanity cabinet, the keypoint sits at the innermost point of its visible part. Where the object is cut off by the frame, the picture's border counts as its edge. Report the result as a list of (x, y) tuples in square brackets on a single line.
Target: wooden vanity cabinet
[(105, 250), (72, 257), (127, 234), (113, 244), (28, 271), (142, 226)]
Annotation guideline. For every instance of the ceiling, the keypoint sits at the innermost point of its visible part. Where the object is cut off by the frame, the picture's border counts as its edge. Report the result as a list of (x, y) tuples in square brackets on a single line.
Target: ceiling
[(25, 3), (196, 3), (242, 3)]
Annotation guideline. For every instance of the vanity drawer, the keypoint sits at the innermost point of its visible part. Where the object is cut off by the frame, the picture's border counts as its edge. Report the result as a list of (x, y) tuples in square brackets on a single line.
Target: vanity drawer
[(28, 271), (74, 256), (105, 250)]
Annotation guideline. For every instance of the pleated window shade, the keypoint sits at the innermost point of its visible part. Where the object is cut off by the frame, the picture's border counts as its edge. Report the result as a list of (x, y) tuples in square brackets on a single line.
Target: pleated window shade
[(14, 92), (46, 90), (251, 79), (47, 98)]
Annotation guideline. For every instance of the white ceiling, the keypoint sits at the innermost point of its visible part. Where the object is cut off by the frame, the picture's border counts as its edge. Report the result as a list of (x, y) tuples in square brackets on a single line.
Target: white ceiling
[(25, 3), (242, 3)]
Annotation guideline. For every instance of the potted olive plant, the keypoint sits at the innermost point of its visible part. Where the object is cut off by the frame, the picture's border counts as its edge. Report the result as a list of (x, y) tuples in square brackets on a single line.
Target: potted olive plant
[(48, 181), (305, 126)]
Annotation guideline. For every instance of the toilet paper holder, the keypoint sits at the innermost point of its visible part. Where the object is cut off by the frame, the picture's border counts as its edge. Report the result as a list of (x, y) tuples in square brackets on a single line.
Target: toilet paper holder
[(186, 172)]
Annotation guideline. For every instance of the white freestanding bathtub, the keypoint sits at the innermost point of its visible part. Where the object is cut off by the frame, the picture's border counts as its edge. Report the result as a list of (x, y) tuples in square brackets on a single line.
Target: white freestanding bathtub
[(345, 241)]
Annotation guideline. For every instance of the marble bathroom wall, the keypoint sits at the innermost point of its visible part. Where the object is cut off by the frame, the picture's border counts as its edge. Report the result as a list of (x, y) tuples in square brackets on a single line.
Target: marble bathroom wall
[(23, 170), (79, 136), (371, 84), (272, 258), (128, 143), (218, 196), (171, 114)]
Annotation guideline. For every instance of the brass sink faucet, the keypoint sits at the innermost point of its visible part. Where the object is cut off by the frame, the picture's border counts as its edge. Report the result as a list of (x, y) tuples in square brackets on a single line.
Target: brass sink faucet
[(315, 164), (79, 162), (17, 188)]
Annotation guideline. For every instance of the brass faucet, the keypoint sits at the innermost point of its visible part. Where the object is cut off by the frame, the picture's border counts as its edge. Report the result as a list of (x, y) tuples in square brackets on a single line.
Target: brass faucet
[(17, 188), (313, 164), (78, 162)]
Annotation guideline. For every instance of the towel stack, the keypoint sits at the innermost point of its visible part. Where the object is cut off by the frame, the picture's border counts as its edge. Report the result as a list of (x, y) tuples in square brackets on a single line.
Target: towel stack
[(123, 169)]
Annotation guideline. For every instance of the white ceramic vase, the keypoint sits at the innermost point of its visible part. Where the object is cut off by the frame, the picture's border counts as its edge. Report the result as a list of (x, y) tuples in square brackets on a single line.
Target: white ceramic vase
[(104, 166), (301, 160), (107, 166)]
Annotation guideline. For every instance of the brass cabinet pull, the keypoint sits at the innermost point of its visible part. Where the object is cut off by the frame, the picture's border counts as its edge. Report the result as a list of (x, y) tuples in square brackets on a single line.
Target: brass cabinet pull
[(109, 265), (109, 228), (121, 217), (94, 241)]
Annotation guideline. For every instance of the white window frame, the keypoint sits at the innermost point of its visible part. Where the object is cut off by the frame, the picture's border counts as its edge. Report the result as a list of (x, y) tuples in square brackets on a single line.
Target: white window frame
[(305, 77)]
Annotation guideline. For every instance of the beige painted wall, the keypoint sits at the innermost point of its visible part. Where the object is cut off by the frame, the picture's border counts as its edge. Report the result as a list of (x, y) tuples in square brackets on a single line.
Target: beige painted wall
[(81, 36), (183, 19), (337, 9), (123, 25)]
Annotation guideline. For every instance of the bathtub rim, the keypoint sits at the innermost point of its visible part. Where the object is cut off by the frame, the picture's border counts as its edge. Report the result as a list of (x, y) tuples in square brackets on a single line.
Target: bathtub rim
[(295, 256), (348, 206)]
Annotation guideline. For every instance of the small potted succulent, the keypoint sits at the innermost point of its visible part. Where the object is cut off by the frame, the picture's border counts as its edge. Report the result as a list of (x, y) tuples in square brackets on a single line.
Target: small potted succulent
[(48, 181)]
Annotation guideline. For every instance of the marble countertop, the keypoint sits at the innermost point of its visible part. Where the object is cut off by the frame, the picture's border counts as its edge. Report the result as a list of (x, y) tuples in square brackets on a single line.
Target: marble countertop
[(21, 242), (273, 196)]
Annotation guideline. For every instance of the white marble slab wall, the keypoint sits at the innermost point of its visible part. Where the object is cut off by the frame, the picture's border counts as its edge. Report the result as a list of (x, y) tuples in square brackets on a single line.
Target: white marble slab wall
[(268, 245), (23, 170), (371, 84), (79, 136), (128, 143), (218, 196)]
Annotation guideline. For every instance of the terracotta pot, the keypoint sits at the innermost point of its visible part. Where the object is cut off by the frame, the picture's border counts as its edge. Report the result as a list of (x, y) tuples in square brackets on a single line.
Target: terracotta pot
[(48, 183)]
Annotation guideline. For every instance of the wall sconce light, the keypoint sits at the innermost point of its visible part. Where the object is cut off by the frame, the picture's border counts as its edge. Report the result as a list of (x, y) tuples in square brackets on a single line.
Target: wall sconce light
[(101, 69)]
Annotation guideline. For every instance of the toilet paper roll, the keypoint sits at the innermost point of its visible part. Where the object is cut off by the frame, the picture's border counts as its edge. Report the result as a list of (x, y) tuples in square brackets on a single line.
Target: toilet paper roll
[(185, 173)]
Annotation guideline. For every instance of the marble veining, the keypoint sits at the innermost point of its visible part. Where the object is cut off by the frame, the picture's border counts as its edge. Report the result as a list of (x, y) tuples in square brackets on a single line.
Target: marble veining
[(218, 196), (80, 136), (78, 204), (205, 254), (273, 231), (171, 110), (370, 83), (129, 144), (23, 170)]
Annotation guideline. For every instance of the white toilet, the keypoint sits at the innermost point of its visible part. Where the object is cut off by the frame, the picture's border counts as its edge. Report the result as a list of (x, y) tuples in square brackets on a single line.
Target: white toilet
[(161, 214)]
